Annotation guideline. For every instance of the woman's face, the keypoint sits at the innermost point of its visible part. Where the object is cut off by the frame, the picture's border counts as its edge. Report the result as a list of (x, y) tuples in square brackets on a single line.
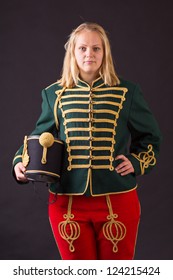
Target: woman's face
[(89, 54)]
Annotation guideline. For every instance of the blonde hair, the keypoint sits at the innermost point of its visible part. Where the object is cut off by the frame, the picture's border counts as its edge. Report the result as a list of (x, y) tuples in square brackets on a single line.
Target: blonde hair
[(70, 70)]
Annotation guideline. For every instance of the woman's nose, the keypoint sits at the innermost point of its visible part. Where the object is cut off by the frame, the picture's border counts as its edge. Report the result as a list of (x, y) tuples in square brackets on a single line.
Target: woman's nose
[(89, 52)]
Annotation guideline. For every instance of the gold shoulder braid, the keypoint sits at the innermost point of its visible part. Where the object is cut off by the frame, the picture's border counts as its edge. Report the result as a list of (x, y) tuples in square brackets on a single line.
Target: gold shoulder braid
[(113, 230), (146, 158), (69, 230), (59, 94)]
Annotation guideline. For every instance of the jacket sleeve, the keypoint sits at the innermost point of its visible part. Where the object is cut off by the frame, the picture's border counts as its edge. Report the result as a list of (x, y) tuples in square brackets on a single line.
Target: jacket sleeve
[(145, 135), (45, 123)]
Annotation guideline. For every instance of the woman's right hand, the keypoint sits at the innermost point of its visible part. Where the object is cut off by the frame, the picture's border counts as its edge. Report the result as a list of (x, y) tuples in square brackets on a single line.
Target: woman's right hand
[(19, 170)]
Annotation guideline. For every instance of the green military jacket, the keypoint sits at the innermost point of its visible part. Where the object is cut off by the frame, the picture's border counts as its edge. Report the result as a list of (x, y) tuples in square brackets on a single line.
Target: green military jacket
[(97, 123)]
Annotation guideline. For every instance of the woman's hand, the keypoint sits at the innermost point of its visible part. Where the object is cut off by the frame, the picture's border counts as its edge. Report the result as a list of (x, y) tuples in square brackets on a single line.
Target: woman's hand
[(19, 170), (125, 167)]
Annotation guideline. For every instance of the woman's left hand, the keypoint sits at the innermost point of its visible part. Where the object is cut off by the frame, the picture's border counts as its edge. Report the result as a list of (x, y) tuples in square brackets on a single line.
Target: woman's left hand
[(125, 167)]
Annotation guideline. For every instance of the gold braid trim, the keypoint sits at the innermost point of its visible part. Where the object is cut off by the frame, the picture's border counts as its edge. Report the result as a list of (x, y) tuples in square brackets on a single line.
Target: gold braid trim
[(69, 230), (146, 158), (25, 156), (59, 94), (113, 230)]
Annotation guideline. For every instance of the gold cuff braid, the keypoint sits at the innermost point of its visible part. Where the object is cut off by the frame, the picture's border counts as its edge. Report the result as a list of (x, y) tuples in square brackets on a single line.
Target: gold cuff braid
[(113, 230), (146, 158)]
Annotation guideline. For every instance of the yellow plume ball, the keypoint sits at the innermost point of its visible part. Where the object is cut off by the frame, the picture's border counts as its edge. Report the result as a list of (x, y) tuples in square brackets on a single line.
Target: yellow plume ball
[(46, 139)]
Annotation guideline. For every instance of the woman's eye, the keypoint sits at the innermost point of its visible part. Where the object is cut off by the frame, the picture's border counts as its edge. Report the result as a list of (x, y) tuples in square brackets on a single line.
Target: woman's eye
[(96, 49), (83, 49)]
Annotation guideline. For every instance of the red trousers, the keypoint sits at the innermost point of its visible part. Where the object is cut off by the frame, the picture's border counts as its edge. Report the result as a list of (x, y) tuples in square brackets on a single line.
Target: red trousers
[(95, 228)]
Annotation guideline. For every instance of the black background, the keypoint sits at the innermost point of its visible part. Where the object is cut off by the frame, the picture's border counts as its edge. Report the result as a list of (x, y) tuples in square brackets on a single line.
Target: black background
[(32, 38)]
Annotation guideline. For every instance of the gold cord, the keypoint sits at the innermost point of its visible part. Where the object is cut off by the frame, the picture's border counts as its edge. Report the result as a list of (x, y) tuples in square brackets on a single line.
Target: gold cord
[(113, 230), (69, 230), (146, 158), (59, 94), (25, 156)]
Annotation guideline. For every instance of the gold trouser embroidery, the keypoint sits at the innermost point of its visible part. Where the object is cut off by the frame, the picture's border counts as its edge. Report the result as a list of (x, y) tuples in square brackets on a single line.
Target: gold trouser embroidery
[(69, 230), (113, 230)]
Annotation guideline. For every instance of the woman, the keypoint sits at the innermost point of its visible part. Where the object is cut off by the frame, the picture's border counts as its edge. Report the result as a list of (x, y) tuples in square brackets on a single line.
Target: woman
[(97, 212)]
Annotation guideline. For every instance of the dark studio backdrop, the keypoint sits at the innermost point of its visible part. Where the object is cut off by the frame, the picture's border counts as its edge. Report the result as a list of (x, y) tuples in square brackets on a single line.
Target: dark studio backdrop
[(32, 36)]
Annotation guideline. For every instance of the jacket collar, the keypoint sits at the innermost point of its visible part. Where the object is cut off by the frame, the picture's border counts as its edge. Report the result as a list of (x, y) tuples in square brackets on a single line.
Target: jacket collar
[(95, 84)]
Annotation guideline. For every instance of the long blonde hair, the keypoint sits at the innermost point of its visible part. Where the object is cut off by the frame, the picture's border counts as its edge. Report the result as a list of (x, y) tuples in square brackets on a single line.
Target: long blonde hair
[(70, 70)]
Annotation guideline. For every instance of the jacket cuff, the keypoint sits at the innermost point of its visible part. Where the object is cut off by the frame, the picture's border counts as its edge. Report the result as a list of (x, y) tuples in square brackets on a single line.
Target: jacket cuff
[(136, 164), (17, 159)]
